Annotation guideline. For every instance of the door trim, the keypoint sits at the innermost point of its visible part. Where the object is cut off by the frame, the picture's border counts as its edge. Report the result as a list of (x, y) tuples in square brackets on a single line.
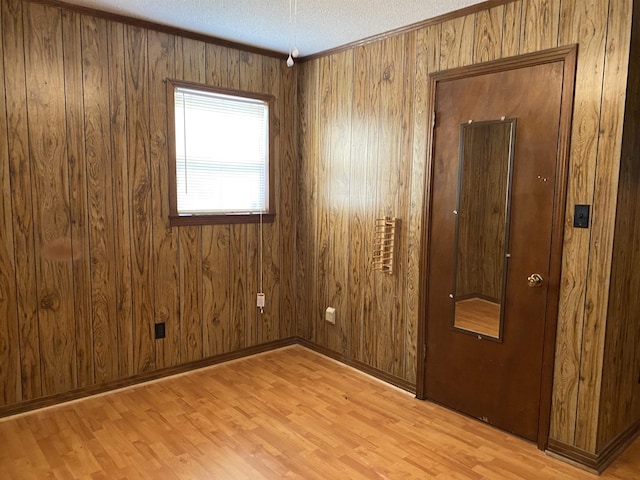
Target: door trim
[(568, 55)]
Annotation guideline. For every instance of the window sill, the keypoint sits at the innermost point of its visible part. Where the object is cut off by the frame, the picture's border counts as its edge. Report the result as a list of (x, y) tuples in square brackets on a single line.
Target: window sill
[(194, 220)]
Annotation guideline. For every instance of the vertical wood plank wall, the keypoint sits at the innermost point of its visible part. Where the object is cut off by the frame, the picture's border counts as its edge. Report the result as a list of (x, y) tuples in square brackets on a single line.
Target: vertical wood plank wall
[(620, 400), (376, 113), (88, 262)]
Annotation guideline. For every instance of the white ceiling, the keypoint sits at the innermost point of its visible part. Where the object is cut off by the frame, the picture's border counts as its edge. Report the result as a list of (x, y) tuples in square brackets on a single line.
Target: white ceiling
[(321, 24)]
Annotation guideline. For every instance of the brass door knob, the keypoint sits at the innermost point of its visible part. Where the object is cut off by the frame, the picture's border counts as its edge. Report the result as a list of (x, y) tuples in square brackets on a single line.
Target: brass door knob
[(535, 280)]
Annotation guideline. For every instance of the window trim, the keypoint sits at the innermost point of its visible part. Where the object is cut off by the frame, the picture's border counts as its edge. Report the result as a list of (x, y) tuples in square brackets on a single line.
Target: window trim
[(176, 219)]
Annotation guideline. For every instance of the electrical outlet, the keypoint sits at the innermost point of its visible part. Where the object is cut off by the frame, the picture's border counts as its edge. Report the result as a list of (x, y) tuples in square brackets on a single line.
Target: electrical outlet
[(330, 315), (160, 330)]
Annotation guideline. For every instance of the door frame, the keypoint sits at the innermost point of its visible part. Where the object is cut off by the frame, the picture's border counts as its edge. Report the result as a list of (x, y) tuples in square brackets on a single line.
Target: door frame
[(568, 55)]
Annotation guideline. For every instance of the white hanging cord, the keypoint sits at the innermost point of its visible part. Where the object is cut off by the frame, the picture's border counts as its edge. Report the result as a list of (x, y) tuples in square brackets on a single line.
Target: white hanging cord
[(295, 51), (260, 299), (260, 260), (293, 32)]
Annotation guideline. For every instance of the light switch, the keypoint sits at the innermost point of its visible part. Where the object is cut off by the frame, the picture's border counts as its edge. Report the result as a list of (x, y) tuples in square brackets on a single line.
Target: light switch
[(581, 216)]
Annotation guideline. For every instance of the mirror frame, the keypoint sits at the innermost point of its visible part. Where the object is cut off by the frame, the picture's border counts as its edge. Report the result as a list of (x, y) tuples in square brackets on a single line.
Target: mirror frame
[(507, 218)]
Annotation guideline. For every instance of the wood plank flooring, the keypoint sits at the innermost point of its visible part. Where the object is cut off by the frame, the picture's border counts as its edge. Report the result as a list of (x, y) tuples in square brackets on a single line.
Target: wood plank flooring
[(289, 413), (478, 315)]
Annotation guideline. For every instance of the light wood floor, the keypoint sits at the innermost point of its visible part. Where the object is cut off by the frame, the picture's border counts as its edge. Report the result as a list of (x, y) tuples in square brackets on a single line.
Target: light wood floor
[(478, 315), (290, 413)]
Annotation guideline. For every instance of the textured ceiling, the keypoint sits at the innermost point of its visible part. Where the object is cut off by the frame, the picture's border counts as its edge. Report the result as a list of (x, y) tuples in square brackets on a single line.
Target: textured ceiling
[(321, 24)]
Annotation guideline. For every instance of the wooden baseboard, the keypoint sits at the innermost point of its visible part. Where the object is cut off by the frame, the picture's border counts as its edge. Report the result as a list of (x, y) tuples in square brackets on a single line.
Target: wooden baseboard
[(51, 400), (594, 462), (363, 367), (573, 455), (616, 446)]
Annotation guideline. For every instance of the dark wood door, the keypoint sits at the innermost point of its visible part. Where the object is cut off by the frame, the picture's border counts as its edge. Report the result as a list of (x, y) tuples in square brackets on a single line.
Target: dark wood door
[(496, 380)]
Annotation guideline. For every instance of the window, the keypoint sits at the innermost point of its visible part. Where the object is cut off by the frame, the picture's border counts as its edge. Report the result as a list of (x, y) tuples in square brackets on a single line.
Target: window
[(218, 155)]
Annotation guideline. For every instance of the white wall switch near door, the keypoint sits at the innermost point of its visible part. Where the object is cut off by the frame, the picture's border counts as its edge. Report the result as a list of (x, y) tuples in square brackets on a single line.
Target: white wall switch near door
[(330, 315)]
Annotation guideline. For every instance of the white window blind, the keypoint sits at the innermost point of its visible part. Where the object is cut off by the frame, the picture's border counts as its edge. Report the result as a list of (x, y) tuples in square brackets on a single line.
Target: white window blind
[(221, 153)]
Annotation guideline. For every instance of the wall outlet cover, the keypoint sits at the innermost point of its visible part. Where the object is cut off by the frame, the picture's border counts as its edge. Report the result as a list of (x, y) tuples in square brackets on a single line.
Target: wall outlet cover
[(330, 315), (160, 330)]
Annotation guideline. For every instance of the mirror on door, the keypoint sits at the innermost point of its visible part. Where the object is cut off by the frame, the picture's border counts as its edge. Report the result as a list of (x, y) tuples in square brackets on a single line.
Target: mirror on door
[(482, 227)]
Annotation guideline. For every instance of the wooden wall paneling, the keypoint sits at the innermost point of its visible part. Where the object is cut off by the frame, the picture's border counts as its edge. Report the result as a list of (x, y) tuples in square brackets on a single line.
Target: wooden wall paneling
[(237, 245), (583, 22), (340, 159), (166, 268), (288, 101), (540, 22), (233, 68), (357, 200), (47, 123), (215, 242), (78, 198), (238, 285), (21, 181), (324, 96), (427, 59), (215, 291), (137, 97), (511, 29), (313, 187), (10, 382), (620, 398), (269, 321), (617, 30), (100, 198), (250, 79), (190, 66), (216, 60), (456, 49), (374, 113), (488, 34), (388, 183), (306, 200), (107, 195), (404, 200), (303, 203), (122, 200), (619, 404), (191, 293)]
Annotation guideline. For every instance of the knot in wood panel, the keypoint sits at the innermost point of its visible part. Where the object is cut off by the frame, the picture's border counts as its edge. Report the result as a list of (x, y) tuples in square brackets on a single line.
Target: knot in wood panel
[(50, 301), (388, 73)]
